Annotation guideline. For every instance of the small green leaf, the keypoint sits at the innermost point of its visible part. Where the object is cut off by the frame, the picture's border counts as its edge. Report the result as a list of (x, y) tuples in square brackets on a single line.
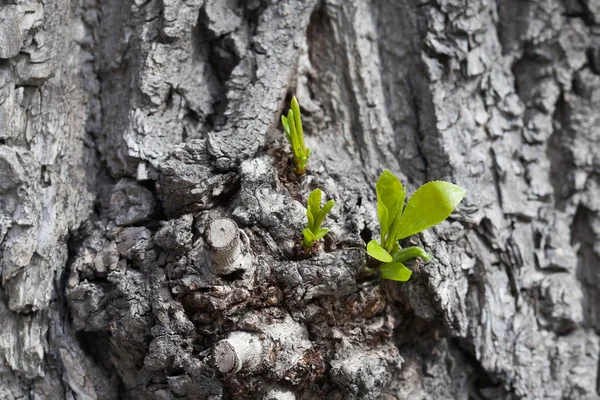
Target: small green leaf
[(294, 142), (431, 204), (411, 252), (311, 219), (308, 235), (298, 121), (395, 225), (378, 252), (382, 214), (286, 125), (326, 208), (286, 129), (390, 192), (395, 271), (321, 233), (315, 215), (292, 125), (314, 202)]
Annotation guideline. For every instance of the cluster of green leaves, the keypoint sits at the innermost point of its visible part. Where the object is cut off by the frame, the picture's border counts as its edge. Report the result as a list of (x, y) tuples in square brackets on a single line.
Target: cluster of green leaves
[(431, 204), (292, 125), (316, 215)]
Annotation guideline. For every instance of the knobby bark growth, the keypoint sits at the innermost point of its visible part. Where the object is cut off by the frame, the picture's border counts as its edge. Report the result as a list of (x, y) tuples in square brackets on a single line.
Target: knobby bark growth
[(150, 222)]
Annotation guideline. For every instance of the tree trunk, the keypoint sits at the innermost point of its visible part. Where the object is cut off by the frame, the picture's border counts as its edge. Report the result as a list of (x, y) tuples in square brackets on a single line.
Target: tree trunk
[(150, 221)]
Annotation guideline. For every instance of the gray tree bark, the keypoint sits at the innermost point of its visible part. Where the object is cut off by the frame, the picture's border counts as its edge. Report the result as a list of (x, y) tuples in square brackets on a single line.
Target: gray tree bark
[(150, 222)]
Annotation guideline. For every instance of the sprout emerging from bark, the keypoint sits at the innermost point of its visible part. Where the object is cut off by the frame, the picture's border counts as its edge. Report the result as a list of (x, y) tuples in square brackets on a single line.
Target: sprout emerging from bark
[(316, 215), (292, 125), (431, 204)]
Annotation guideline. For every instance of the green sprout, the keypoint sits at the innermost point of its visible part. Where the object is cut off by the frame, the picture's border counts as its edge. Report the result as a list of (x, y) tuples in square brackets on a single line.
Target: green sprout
[(431, 204), (292, 125), (316, 215)]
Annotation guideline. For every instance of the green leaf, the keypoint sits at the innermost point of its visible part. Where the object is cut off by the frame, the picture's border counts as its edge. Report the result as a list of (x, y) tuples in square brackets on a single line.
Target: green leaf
[(321, 233), (286, 125), (311, 219), (378, 252), (315, 215), (292, 125), (395, 271), (391, 194), (286, 128), (308, 235), (411, 252), (314, 203), (382, 214), (298, 121), (302, 162), (395, 224), (326, 208), (296, 149), (431, 204)]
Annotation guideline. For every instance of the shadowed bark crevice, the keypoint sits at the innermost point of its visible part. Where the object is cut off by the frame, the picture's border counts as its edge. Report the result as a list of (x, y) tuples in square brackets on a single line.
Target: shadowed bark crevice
[(585, 237)]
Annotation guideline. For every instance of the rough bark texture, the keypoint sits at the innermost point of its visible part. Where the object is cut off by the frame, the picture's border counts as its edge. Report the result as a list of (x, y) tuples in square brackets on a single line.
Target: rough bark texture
[(127, 127)]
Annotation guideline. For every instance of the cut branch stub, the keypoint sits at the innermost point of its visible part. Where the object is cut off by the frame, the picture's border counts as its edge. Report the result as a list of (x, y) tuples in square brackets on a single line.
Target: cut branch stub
[(280, 394), (226, 250), (241, 350)]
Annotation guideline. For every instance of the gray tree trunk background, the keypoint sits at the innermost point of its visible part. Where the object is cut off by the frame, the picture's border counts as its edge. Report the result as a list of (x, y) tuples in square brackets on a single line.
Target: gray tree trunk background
[(127, 126)]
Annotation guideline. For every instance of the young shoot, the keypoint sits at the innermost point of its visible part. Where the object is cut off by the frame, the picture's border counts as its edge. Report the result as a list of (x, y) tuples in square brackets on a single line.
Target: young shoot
[(431, 204), (292, 125), (316, 215)]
